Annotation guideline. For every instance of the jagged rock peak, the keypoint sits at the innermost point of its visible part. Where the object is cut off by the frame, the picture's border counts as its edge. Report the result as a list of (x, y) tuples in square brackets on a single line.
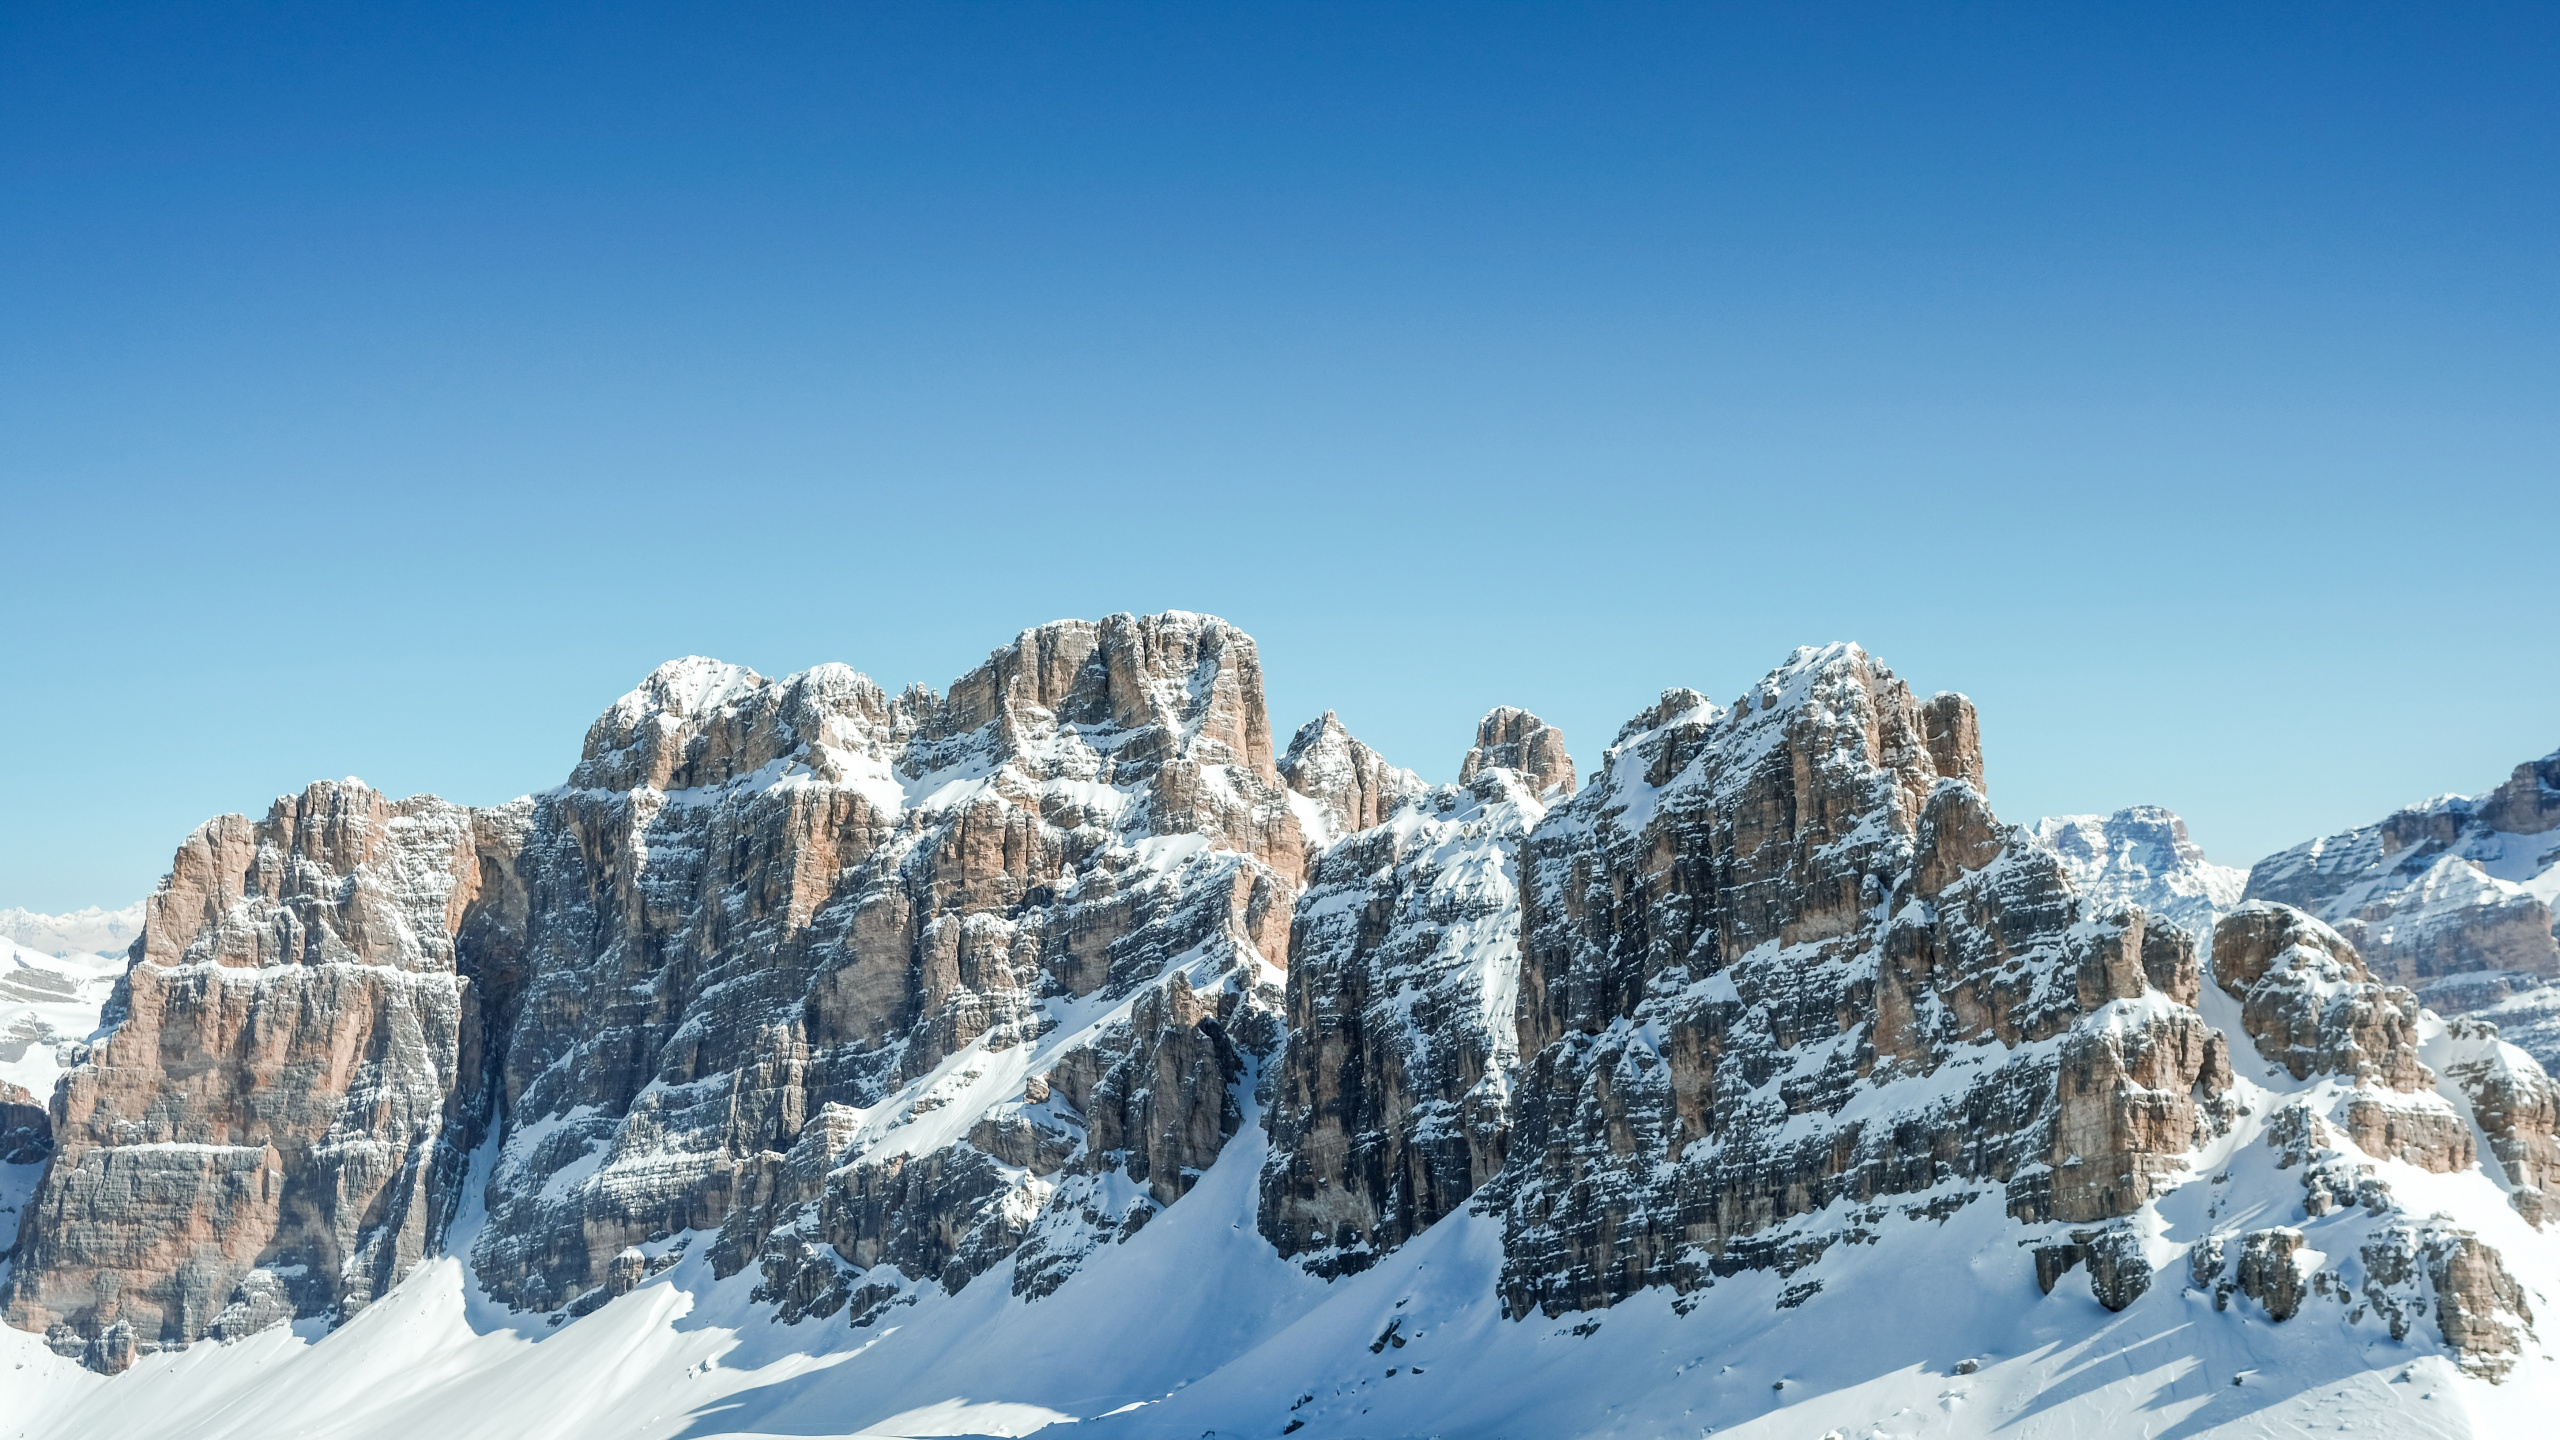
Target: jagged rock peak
[(1341, 785), (1945, 725), (1771, 955), (1196, 678), (1517, 740), (2450, 897), (2529, 802), (296, 983), (695, 722), (2141, 855)]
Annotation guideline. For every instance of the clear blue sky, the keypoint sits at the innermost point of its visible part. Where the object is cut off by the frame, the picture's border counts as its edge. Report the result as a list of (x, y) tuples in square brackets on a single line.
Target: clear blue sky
[(384, 389)]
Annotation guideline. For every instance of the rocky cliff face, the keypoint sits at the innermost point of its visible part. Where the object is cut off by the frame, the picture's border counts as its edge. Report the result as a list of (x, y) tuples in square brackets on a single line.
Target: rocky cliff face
[(2142, 857), (754, 900), (1393, 1105), (1781, 967), (1338, 786), (277, 1123), (859, 1000), (2452, 898)]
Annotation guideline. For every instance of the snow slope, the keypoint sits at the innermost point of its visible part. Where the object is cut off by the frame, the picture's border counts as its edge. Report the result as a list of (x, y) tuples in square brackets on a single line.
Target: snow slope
[(46, 1001), (1194, 1327)]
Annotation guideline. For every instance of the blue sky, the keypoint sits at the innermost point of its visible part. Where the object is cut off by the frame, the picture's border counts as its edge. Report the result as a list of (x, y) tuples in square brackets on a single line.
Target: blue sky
[(382, 393)]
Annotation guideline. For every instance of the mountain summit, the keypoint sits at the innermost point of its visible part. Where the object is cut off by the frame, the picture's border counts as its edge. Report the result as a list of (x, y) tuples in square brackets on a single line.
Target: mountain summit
[(1055, 1051)]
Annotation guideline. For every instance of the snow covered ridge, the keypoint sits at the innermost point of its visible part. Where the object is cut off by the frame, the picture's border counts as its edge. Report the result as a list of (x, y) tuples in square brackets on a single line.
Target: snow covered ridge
[(82, 932), (2141, 856), (2453, 897), (1050, 1051)]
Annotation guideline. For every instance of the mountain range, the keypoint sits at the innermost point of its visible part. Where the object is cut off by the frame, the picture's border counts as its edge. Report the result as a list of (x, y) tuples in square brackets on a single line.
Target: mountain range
[(1063, 1051)]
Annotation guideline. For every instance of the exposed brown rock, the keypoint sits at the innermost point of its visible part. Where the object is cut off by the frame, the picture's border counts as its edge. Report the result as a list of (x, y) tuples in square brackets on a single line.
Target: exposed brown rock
[(1352, 787), (2308, 1002), (2269, 1273), (1803, 906), (290, 1090), (1392, 1103), (2517, 1107), (2119, 1272), (1517, 740)]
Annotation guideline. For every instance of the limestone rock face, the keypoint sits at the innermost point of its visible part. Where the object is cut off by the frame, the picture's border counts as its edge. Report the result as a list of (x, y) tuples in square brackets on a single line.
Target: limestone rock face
[(2480, 1311), (1520, 742), (2270, 1273), (1783, 956), (756, 908), (2119, 1273), (290, 1092), (2310, 1004), (2141, 857), (865, 998), (1340, 786), (1392, 1106), (2311, 1007), (758, 898), (2440, 897), (2516, 1105)]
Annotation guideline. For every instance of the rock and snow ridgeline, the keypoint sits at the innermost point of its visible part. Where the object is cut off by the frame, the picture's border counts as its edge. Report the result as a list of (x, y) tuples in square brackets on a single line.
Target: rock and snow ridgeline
[(858, 1009)]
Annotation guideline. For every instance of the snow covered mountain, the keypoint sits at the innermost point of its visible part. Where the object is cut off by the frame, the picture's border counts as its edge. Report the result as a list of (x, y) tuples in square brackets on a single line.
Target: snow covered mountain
[(2453, 897), (1052, 1052), (82, 932), (2141, 856)]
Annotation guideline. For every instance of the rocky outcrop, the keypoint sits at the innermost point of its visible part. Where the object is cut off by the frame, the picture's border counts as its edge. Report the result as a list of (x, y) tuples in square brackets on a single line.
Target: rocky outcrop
[(26, 1131), (2516, 1106), (1781, 958), (1340, 786), (869, 997), (1392, 1106), (2412, 1270), (287, 1096), (2141, 857), (753, 900), (2271, 1271), (2440, 897), (1515, 740), (2310, 1006), (757, 898)]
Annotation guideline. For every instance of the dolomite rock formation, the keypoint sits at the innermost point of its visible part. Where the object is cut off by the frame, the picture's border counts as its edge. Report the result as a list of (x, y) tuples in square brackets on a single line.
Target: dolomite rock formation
[(1782, 958), (2141, 857), (2440, 897), (2310, 1006), (752, 901), (2270, 1272), (1520, 742), (757, 898), (284, 1102), (1340, 786), (2516, 1106), (1392, 1107), (26, 1131), (870, 998)]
